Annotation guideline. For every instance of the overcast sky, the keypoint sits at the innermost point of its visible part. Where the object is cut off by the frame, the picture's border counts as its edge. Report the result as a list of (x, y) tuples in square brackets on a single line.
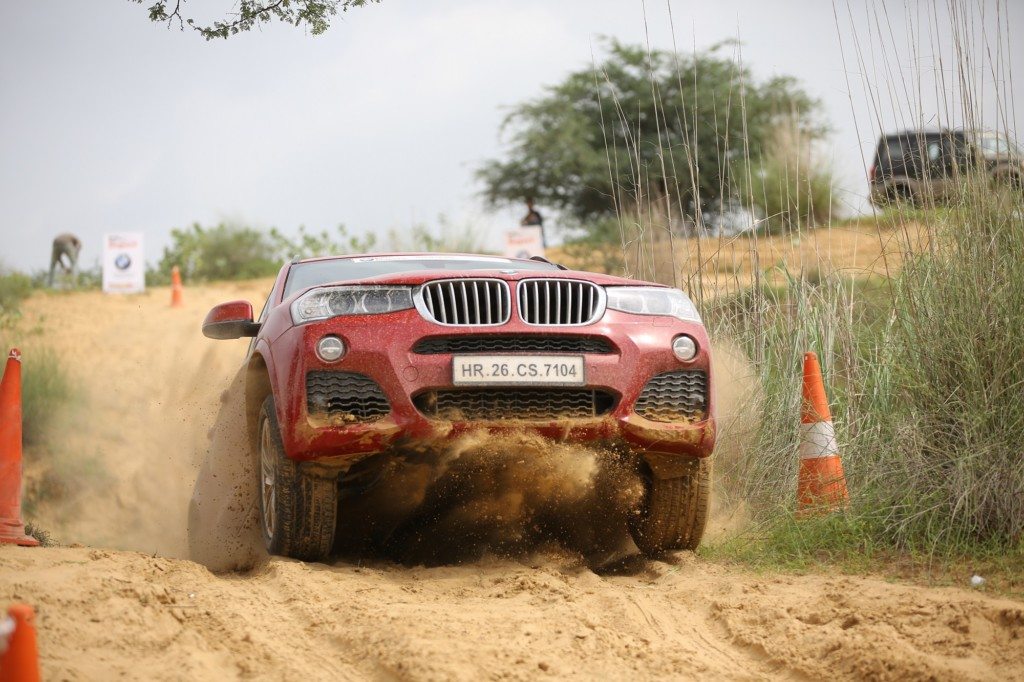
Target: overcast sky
[(110, 122)]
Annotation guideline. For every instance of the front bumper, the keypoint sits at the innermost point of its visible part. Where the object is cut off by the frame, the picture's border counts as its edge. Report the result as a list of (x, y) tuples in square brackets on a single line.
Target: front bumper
[(382, 348)]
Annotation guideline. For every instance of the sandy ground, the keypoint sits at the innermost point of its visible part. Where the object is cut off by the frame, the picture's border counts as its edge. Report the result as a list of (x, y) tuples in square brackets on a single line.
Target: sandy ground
[(725, 265), (105, 614), (128, 603)]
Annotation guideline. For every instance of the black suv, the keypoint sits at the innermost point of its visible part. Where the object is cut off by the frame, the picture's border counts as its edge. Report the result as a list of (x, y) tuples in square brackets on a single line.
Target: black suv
[(916, 165)]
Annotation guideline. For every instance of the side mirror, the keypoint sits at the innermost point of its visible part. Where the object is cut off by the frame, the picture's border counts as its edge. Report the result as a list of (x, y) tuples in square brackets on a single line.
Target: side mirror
[(231, 320)]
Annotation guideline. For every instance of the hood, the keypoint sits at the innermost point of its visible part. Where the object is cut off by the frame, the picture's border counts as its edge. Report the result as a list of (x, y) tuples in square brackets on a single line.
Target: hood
[(417, 277)]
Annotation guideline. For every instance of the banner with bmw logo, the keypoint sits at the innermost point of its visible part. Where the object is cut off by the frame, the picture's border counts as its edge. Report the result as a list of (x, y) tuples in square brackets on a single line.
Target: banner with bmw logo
[(524, 242), (124, 263)]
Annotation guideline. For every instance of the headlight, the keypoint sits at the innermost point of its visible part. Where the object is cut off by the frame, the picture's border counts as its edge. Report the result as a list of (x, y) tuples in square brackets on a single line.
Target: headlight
[(320, 304), (653, 301)]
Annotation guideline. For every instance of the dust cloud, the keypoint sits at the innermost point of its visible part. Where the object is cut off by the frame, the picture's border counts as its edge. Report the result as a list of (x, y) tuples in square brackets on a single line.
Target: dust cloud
[(223, 513), (118, 470), (506, 495), (737, 396)]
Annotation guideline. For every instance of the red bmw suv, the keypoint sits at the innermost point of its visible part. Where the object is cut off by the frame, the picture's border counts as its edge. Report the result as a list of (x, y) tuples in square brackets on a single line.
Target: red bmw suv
[(355, 357)]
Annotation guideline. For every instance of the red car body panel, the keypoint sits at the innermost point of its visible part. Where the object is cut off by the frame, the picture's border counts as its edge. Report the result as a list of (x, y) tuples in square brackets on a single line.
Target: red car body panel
[(381, 347)]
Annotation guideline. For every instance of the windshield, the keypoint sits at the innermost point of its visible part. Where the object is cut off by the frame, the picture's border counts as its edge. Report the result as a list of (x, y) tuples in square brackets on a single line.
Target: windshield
[(304, 275), (995, 145)]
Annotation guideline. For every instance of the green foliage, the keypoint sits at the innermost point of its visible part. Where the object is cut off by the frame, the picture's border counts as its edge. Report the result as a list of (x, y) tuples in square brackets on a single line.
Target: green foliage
[(14, 288), (228, 251), (45, 391), (44, 382), (638, 127), (311, 245), (224, 251), (249, 14), (788, 184), (83, 279), (448, 238), (801, 543), (854, 543), (599, 247)]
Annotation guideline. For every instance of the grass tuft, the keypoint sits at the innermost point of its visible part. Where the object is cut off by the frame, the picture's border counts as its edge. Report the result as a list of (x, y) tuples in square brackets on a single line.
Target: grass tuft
[(44, 537), (46, 390)]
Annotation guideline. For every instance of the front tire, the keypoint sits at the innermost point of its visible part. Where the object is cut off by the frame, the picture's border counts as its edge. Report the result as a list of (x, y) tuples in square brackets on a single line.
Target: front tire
[(675, 510), (298, 511)]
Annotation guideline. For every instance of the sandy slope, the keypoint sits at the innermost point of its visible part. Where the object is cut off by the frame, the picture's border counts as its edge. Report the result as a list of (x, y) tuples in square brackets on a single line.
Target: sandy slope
[(150, 390), (147, 387)]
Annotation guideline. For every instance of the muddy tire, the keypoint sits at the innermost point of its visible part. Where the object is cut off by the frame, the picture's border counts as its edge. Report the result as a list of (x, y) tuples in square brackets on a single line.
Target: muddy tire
[(674, 511), (298, 512)]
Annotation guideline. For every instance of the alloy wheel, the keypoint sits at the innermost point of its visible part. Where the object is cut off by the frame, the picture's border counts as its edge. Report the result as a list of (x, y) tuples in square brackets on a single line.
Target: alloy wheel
[(268, 478)]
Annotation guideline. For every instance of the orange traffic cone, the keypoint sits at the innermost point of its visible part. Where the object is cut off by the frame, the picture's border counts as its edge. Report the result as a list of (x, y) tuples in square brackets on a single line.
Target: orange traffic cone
[(176, 287), (822, 485), (12, 530), (19, 659)]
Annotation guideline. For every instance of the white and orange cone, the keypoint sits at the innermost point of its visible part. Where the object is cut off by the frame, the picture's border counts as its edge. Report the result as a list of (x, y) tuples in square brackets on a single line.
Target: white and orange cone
[(19, 655), (821, 487)]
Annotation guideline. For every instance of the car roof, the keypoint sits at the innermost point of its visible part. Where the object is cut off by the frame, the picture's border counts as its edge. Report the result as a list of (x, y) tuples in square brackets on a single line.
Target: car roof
[(416, 254), (925, 132)]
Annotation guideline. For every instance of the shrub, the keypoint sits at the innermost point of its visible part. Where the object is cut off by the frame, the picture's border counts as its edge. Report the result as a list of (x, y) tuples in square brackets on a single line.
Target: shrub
[(45, 390), (448, 237), (312, 244), (228, 251), (225, 251), (14, 288)]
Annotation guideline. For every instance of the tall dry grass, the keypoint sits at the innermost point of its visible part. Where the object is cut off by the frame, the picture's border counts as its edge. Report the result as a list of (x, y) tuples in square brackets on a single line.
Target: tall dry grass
[(921, 344), (792, 184)]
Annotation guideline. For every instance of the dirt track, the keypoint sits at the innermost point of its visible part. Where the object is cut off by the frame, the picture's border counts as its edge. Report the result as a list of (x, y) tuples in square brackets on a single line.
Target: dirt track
[(106, 613), (150, 388)]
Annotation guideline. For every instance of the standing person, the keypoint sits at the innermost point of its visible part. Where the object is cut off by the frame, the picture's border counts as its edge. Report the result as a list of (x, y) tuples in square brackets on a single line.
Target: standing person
[(68, 245), (533, 218)]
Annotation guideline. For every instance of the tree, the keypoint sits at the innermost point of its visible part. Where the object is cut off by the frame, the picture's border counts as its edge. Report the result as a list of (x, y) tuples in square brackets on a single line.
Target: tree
[(316, 14), (642, 126)]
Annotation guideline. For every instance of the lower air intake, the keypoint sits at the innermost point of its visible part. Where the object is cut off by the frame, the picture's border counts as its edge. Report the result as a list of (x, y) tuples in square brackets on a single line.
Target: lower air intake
[(529, 404), (674, 397), (345, 396)]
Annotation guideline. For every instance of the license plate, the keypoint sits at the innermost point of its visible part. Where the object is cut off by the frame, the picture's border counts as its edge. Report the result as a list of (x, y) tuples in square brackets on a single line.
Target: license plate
[(517, 370)]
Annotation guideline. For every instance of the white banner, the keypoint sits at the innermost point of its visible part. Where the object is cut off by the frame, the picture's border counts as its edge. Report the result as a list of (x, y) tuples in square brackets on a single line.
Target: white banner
[(524, 242), (124, 263)]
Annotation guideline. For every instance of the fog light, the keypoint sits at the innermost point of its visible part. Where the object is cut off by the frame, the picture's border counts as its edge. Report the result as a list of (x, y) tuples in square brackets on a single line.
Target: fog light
[(684, 347), (330, 348)]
